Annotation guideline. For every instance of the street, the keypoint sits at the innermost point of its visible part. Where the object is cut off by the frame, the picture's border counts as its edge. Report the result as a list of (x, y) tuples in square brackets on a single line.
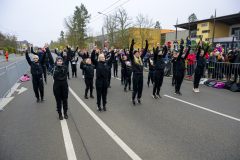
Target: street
[(203, 125)]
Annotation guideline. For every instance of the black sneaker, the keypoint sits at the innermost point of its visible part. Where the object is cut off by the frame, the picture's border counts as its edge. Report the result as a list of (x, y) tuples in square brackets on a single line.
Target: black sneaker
[(104, 108), (179, 93), (158, 96), (76, 76), (86, 97), (37, 100), (133, 102), (60, 116), (125, 90), (42, 99), (139, 102), (176, 92), (99, 109), (154, 96), (147, 84), (65, 115), (91, 96)]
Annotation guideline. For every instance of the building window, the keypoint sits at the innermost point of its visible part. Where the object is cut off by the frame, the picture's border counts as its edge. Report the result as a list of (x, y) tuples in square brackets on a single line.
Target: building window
[(234, 29), (207, 39), (193, 34), (198, 29), (204, 25), (206, 31)]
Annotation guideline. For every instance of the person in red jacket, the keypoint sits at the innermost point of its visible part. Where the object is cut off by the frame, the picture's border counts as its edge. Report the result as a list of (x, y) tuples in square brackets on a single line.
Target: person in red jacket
[(169, 45), (6, 54), (191, 64)]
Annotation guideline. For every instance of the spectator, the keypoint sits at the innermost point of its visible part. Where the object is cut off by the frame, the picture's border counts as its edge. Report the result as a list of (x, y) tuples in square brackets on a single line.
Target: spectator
[(169, 45), (188, 42), (175, 44), (191, 63)]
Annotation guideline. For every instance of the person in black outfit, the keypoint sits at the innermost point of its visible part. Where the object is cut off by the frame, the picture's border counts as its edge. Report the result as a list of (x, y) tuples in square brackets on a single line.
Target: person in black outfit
[(109, 71), (236, 66), (115, 65), (123, 60), (180, 68), (89, 74), (201, 63), (74, 66), (150, 72), (128, 74), (158, 70), (102, 77), (174, 64), (59, 71), (84, 55), (64, 57), (40, 54), (36, 71), (137, 69), (58, 53)]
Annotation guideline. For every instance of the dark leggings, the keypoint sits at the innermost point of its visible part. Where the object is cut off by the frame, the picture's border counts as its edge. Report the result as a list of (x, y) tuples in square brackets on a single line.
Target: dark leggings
[(37, 82), (89, 85), (158, 76), (60, 90), (197, 77), (179, 80), (137, 85)]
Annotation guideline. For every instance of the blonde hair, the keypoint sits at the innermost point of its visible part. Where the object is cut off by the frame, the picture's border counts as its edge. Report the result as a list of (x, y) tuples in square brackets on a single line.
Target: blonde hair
[(35, 56), (100, 55), (138, 60)]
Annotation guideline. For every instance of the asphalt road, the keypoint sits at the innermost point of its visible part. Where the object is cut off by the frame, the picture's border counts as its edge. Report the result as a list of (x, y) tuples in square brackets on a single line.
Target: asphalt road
[(165, 128), (11, 61)]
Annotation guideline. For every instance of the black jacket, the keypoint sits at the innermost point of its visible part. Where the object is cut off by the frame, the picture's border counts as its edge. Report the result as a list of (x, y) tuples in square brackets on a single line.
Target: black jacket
[(122, 62), (136, 68), (36, 67), (159, 59), (236, 59), (115, 60), (128, 70), (201, 63), (89, 70), (63, 69), (101, 67), (72, 61), (180, 65)]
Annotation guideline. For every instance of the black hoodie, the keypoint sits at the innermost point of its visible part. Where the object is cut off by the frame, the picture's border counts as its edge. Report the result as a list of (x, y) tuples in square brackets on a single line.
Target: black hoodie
[(159, 59), (180, 65)]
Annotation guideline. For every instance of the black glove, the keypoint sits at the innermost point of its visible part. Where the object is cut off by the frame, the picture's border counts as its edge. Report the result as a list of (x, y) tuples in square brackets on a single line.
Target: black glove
[(133, 42), (146, 43)]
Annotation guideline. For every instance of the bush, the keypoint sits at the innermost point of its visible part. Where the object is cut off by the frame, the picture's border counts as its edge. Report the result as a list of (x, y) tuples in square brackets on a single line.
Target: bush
[(10, 49), (14, 50), (4, 48)]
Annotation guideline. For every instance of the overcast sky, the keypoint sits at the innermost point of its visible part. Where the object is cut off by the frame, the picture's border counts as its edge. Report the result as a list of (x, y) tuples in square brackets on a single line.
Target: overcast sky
[(40, 21)]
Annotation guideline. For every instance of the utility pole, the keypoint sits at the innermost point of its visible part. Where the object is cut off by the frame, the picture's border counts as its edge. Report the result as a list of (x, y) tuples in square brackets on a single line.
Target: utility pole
[(102, 38), (213, 28), (107, 27)]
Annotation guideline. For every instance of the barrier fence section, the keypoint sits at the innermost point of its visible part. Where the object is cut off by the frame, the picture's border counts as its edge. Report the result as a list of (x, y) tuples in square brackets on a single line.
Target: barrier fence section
[(11, 74), (3, 58), (218, 71)]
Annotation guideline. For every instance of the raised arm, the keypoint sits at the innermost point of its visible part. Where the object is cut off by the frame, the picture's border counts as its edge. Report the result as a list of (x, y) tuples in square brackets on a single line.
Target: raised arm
[(131, 50), (94, 61), (32, 50), (50, 56), (187, 52), (27, 56), (112, 56), (181, 52), (145, 50), (199, 50), (155, 54), (68, 56), (42, 59), (206, 50), (164, 51)]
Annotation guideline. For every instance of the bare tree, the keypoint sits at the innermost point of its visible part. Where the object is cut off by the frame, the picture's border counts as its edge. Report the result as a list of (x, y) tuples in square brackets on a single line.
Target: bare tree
[(143, 24), (123, 24), (112, 28)]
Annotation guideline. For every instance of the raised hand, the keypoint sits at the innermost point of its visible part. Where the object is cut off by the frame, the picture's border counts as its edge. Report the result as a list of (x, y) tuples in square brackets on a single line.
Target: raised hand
[(26, 47), (158, 44), (133, 41), (95, 47), (31, 45), (146, 42)]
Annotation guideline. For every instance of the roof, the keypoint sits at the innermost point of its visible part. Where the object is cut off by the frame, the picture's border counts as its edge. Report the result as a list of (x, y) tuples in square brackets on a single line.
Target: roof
[(229, 20), (167, 31)]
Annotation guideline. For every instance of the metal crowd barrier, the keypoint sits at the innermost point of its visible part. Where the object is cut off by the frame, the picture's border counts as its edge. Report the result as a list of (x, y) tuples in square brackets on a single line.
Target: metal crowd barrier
[(11, 74), (218, 71), (3, 58)]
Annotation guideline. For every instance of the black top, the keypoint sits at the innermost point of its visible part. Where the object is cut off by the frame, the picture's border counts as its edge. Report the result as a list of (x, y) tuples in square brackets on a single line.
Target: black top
[(62, 73), (159, 59), (36, 67), (40, 55), (101, 66), (136, 68), (122, 62), (74, 62), (200, 59), (89, 70), (180, 65)]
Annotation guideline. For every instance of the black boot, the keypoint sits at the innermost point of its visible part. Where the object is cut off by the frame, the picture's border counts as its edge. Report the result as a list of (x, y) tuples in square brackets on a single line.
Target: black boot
[(60, 116), (104, 108), (37, 100), (86, 97), (91, 96), (99, 108), (65, 115)]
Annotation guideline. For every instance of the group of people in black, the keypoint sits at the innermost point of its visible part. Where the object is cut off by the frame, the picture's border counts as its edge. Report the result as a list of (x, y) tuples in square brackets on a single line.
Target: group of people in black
[(131, 72)]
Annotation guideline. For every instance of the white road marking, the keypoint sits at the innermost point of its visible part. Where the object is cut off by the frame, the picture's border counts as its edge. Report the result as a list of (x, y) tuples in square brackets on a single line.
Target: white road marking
[(2, 73), (14, 88), (221, 114), (4, 102), (67, 139), (128, 150), (21, 90)]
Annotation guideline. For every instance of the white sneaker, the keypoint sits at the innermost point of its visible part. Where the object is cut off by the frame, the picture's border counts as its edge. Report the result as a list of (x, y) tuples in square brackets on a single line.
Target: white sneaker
[(82, 76)]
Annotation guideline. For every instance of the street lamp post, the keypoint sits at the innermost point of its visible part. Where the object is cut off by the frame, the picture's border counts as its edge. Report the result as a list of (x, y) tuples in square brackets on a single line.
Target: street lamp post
[(107, 26)]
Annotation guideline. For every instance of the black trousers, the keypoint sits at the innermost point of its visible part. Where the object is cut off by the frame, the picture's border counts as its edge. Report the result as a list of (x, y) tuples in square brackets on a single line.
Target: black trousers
[(197, 77), (83, 72), (236, 73), (44, 73), (101, 89), (179, 80), (89, 85), (150, 77), (109, 76), (37, 81), (137, 85), (122, 75), (127, 82), (74, 69), (158, 76), (174, 77), (60, 91), (115, 69), (47, 64), (190, 70)]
